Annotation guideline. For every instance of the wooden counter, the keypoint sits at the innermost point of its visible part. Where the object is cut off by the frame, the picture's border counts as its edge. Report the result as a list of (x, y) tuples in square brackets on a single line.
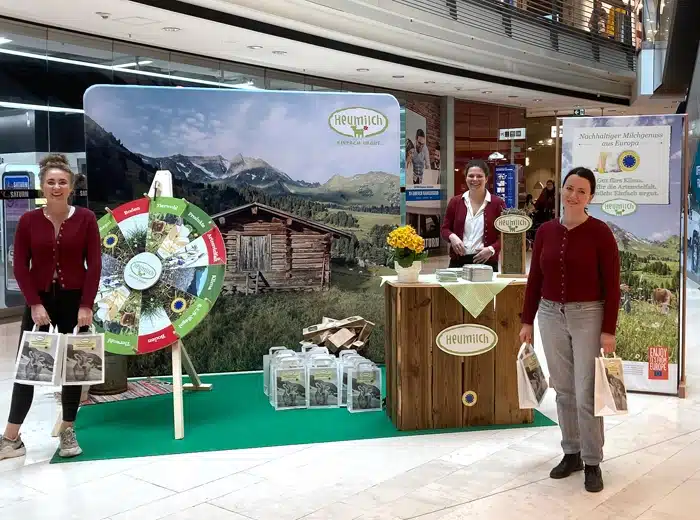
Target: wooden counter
[(425, 385)]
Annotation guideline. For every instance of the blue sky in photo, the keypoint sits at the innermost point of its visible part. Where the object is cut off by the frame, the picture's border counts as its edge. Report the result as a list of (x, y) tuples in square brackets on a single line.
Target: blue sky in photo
[(289, 130)]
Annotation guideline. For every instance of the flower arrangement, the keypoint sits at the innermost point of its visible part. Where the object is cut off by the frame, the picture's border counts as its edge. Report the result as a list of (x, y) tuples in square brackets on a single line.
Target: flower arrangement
[(408, 246)]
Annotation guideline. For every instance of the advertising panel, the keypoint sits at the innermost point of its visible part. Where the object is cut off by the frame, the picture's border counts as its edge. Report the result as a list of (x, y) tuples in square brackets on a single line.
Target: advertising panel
[(304, 187), (638, 166)]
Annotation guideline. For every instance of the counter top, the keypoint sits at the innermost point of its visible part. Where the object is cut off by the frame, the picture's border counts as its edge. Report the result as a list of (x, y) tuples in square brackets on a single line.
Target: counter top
[(430, 280)]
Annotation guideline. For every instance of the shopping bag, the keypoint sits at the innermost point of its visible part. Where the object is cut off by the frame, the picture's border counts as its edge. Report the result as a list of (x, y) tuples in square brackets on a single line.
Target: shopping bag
[(610, 391), (532, 383), (39, 361), (83, 357)]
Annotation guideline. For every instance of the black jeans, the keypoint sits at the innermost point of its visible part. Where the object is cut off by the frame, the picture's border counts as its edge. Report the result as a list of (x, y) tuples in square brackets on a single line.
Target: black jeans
[(469, 259), (62, 307)]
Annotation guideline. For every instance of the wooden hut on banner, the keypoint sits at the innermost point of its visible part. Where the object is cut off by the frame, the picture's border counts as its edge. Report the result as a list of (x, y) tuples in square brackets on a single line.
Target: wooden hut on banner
[(269, 249)]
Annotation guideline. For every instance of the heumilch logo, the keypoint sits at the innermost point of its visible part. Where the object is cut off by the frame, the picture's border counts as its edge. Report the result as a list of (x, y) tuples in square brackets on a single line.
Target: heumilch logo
[(358, 122)]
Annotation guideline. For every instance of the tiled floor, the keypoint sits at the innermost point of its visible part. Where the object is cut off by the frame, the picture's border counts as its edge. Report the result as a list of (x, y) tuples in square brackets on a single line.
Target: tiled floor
[(652, 472)]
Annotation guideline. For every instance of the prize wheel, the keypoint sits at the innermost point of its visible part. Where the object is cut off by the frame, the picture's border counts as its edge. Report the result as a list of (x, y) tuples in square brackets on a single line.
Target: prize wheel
[(163, 264)]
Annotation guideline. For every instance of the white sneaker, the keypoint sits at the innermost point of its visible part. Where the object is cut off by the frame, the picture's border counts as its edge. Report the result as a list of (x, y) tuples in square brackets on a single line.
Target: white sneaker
[(10, 449), (68, 446)]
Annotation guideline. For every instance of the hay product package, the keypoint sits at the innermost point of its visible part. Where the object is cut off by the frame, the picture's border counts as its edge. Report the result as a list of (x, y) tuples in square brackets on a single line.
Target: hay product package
[(364, 392), (610, 390), (322, 382), (532, 383), (288, 384), (39, 360), (83, 358)]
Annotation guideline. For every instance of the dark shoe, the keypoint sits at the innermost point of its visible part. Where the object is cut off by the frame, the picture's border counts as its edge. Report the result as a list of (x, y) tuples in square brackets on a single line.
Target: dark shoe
[(594, 479), (570, 463)]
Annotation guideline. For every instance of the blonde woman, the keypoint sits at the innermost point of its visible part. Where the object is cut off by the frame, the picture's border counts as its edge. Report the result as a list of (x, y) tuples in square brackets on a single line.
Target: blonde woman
[(57, 263)]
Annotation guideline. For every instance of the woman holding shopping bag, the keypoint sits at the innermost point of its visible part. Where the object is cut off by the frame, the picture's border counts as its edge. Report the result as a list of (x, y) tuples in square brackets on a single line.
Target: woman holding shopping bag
[(574, 283), (57, 264)]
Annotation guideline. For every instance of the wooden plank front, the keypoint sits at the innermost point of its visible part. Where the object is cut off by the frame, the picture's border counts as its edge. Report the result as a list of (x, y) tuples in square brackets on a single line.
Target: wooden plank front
[(479, 376), (414, 358), (509, 304), (447, 369)]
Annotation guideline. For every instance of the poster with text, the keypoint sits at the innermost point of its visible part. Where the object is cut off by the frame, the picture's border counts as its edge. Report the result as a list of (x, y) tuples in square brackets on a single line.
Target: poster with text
[(304, 187), (638, 166), (630, 164), (423, 169)]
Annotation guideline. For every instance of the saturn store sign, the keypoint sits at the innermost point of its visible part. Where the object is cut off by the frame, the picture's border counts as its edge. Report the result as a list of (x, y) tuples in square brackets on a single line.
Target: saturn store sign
[(466, 340)]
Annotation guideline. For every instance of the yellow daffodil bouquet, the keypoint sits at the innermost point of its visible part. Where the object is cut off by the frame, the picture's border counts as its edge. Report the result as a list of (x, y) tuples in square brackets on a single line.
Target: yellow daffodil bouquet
[(408, 246)]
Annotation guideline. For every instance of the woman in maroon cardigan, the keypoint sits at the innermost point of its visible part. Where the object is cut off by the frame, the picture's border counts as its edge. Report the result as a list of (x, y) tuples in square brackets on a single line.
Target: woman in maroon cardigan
[(468, 223), (52, 247), (574, 288)]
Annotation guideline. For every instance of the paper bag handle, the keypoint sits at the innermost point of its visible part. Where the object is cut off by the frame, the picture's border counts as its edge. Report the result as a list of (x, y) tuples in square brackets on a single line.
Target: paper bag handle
[(53, 329), (614, 354), (91, 330)]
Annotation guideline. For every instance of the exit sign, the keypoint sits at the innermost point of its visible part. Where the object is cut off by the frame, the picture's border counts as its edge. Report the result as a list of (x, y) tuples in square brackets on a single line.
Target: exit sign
[(579, 111)]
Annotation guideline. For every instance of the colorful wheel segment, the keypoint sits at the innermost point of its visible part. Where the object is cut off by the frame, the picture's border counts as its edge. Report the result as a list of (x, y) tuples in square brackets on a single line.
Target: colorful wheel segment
[(163, 266)]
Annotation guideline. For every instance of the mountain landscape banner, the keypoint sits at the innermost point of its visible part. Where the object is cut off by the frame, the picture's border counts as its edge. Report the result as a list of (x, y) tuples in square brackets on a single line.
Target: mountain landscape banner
[(642, 205), (304, 186)]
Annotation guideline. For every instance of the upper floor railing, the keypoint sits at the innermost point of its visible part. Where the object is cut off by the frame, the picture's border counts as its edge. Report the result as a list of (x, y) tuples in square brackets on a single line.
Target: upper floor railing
[(607, 32)]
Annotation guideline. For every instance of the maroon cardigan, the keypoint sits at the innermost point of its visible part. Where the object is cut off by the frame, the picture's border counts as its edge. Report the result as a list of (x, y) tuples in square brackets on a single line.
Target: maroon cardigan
[(578, 265), (456, 214), (38, 254)]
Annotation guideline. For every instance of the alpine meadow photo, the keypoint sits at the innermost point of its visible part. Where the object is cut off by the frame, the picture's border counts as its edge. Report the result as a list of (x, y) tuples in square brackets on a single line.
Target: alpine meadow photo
[(304, 187)]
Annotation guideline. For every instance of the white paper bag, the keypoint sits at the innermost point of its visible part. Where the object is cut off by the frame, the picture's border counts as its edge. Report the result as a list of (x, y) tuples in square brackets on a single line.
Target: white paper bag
[(83, 358), (610, 391), (39, 360), (532, 383)]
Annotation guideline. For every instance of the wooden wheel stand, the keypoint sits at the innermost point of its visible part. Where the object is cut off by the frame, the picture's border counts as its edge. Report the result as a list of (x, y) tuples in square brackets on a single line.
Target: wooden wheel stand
[(162, 186)]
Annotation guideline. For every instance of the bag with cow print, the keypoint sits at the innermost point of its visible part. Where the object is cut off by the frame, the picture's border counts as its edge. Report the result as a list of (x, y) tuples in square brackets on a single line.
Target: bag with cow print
[(39, 360), (84, 354)]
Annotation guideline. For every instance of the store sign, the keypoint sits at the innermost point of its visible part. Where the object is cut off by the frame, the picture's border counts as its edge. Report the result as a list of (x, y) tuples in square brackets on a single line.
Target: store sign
[(554, 131), (507, 184), (358, 122), (509, 134), (618, 207), (466, 340), (513, 224)]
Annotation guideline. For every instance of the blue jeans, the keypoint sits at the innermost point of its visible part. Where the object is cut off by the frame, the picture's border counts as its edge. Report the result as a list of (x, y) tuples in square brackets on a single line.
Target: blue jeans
[(571, 339)]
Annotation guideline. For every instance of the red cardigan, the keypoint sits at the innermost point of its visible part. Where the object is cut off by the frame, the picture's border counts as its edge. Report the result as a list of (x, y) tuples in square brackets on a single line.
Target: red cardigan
[(39, 253), (578, 265), (456, 214)]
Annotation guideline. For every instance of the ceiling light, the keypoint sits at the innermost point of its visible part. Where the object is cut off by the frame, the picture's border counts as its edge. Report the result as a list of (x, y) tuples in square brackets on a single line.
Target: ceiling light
[(537, 100), (577, 106), (171, 29), (3, 41), (279, 53), (255, 47), (398, 76), (133, 64), (362, 70), (486, 92), (429, 82), (512, 97)]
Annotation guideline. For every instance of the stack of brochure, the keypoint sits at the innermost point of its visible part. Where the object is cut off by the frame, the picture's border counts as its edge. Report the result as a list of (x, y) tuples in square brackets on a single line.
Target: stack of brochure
[(446, 275), (477, 273)]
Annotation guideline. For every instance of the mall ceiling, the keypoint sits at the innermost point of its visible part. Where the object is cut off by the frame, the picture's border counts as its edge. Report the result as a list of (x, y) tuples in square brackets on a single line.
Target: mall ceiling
[(140, 24)]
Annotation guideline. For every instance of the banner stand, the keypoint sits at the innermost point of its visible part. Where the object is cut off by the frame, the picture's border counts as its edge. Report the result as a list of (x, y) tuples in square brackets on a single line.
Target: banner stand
[(162, 186)]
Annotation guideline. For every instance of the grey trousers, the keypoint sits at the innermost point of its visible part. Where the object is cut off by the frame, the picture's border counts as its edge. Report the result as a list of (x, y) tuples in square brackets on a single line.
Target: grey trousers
[(571, 339)]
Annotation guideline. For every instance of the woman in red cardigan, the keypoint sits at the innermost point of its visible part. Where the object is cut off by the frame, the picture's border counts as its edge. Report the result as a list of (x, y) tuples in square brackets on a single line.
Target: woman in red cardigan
[(468, 223), (52, 247), (574, 288)]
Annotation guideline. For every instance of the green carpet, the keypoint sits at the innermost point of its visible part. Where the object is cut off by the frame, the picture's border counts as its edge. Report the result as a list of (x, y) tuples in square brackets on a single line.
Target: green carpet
[(235, 414)]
